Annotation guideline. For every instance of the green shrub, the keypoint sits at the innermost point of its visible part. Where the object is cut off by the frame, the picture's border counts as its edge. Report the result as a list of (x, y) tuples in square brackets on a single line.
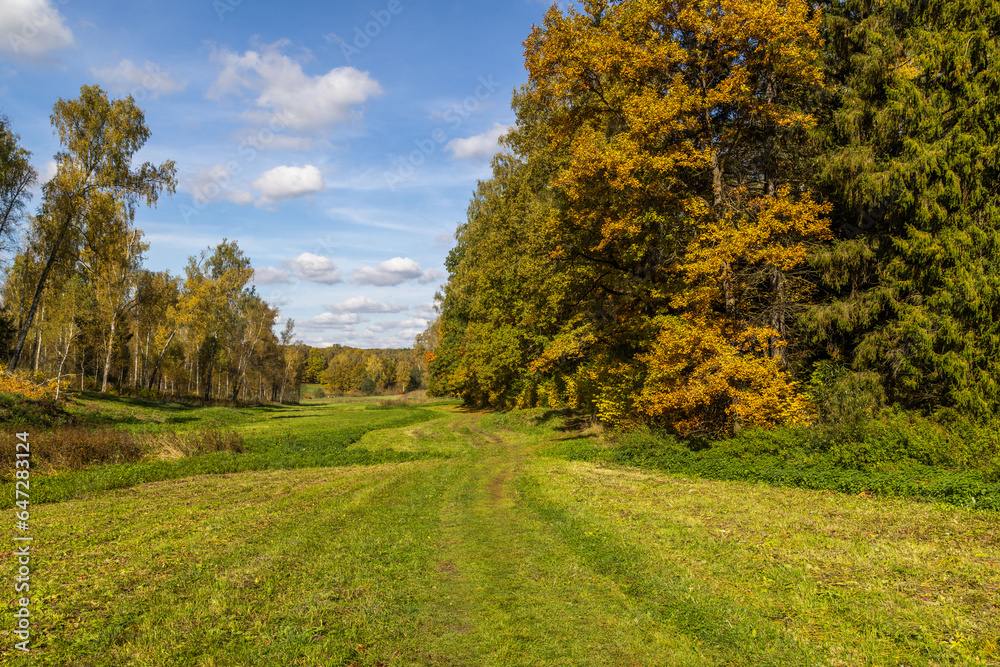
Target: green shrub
[(846, 401), (893, 453), (17, 411)]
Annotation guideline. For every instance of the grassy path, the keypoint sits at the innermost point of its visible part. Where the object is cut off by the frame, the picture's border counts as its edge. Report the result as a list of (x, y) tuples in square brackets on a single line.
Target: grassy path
[(502, 555)]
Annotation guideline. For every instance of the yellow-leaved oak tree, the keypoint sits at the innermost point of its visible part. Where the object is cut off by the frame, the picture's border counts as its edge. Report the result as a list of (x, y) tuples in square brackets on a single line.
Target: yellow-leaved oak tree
[(684, 125)]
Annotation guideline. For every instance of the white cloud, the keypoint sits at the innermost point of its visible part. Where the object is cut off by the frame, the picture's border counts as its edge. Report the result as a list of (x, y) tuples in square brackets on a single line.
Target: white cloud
[(269, 275), (362, 304), (478, 147), (285, 182), (393, 272), (289, 95), (215, 183), (218, 182), (315, 268), (430, 275), (330, 321), (416, 323), (425, 311), (390, 272), (149, 81), (317, 341), (30, 29), (279, 301), (48, 171)]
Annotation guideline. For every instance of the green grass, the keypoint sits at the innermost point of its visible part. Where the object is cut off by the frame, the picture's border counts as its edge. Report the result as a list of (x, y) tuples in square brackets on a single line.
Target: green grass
[(490, 547), (784, 457), (276, 437)]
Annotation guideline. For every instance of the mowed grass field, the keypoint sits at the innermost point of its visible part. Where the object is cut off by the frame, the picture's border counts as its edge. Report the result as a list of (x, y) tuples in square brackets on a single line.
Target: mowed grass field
[(438, 536)]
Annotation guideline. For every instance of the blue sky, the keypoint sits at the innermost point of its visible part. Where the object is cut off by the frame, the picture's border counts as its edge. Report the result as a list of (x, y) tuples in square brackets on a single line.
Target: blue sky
[(337, 142)]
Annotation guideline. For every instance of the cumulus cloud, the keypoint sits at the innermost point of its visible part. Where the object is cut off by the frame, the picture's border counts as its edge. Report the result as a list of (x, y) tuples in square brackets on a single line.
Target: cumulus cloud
[(362, 304), (285, 182), (390, 272), (416, 323), (430, 275), (478, 147), (285, 93), (30, 29), (269, 275), (47, 171), (279, 301), (146, 82), (393, 272), (219, 183), (330, 321), (425, 311), (215, 183), (315, 268)]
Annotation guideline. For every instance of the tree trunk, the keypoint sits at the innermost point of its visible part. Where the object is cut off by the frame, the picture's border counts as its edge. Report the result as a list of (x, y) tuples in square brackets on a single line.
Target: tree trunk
[(62, 361), (23, 334), (211, 364), (135, 366), (107, 356), (145, 357), (38, 346), (156, 366), (775, 342)]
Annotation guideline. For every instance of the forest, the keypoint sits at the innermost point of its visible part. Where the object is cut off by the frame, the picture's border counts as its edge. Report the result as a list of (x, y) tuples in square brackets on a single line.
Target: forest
[(712, 216), (81, 311), (713, 379)]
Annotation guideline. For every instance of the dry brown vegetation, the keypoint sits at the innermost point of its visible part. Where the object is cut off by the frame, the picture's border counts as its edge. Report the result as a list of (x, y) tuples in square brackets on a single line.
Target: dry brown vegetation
[(76, 447)]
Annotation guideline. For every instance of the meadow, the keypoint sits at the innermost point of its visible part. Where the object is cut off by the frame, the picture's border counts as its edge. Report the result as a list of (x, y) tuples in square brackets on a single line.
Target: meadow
[(354, 533)]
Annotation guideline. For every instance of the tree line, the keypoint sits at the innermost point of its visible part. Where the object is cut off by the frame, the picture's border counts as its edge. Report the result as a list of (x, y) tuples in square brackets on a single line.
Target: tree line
[(77, 298), (715, 214), (345, 370)]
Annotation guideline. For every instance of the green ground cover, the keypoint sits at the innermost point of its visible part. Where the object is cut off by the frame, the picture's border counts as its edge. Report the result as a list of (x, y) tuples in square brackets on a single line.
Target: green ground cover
[(276, 437), (491, 546)]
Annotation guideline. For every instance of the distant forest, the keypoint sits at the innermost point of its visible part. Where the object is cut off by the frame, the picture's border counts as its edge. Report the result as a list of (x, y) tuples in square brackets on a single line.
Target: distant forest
[(81, 311)]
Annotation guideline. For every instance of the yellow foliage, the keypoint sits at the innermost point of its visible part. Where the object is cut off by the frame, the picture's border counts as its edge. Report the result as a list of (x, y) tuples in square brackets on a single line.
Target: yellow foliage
[(700, 383), (570, 343), (28, 385), (615, 385), (528, 397), (768, 229)]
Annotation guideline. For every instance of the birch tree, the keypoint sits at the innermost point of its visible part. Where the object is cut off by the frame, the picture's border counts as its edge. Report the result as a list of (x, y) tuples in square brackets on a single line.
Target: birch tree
[(99, 139)]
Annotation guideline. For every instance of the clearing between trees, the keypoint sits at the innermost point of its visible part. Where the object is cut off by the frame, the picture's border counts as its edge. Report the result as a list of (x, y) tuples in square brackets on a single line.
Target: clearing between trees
[(440, 536)]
